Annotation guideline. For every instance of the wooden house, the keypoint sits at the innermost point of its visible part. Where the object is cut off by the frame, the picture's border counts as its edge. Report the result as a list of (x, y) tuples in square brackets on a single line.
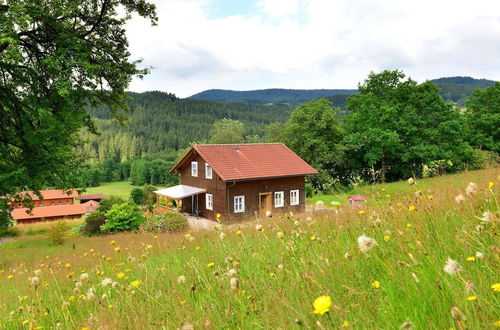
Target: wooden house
[(356, 201), (238, 181), (50, 198)]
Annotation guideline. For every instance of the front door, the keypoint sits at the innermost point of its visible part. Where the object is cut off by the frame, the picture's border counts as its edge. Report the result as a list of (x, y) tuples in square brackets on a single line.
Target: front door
[(264, 203)]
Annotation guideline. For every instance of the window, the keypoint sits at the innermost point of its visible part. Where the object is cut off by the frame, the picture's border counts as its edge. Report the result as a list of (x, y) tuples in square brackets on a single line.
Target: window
[(194, 168), (239, 204), (209, 201), (208, 171), (279, 201), (294, 197)]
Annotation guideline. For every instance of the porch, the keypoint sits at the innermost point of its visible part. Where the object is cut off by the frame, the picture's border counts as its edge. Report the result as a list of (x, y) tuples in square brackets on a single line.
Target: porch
[(180, 198)]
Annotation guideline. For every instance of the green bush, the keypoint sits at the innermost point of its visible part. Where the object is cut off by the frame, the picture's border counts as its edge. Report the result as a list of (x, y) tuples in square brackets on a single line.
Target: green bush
[(93, 223), (58, 233), (166, 222), (10, 232), (137, 196), (122, 217), (108, 202), (309, 190), (482, 159)]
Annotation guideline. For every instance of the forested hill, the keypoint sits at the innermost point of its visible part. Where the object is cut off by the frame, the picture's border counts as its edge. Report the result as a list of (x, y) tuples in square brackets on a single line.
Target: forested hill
[(160, 122), (455, 89), (459, 89), (266, 96)]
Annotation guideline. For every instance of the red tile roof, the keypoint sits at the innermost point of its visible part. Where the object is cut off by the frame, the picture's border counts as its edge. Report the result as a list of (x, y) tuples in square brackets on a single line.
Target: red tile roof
[(51, 194), (90, 196), (54, 211), (250, 161), (356, 198)]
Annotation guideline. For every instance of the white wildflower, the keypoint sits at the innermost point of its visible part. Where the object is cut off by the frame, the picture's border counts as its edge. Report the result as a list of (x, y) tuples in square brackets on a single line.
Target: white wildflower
[(366, 243), (232, 272), (38, 272), (296, 223), (377, 222), (471, 189), (84, 276), (280, 235), (222, 235), (234, 283), (90, 294), (309, 219), (106, 282), (479, 255), (34, 280), (115, 284), (269, 214), (187, 326), (181, 279), (78, 284), (258, 227), (460, 198), (320, 204), (452, 267), (411, 181), (191, 238), (347, 255), (281, 267), (487, 216)]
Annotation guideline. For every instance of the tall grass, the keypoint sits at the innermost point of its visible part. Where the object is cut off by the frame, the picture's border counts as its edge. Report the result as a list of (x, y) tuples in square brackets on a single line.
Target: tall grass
[(280, 270)]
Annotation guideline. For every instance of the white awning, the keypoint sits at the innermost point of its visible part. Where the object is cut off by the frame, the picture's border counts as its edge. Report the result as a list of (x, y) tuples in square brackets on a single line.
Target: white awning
[(180, 191)]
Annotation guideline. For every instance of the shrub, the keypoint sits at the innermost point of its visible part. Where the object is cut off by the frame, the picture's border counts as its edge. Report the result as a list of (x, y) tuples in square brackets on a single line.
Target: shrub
[(482, 159), (108, 202), (10, 232), (122, 217), (93, 223), (58, 233), (166, 222), (309, 190), (137, 196)]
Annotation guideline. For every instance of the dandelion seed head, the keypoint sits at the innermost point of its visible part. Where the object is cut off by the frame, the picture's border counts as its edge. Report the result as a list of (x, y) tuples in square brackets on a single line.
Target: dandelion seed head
[(107, 282), (258, 227), (366, 243), (234, 283), (84, 276), (452, 267), (181, 279), (471, 189), (38, 272), (487, 216), (459, 198), (280, 235)]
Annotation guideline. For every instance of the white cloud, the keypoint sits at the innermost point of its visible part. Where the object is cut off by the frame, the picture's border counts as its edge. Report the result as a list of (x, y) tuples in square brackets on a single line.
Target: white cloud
[(315, 43)]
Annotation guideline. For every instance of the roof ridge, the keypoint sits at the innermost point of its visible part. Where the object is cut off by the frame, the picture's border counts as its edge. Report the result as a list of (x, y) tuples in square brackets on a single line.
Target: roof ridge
[(235, 144)]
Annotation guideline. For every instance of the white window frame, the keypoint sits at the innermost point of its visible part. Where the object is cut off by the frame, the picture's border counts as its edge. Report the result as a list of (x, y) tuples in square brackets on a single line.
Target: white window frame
[(194, 169), (239, 207), (208, 169), (209, 202), (276, 194), (292, 200)]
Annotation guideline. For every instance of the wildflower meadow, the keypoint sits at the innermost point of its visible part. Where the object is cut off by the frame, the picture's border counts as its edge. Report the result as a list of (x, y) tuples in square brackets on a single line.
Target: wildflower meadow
[(416, 257)]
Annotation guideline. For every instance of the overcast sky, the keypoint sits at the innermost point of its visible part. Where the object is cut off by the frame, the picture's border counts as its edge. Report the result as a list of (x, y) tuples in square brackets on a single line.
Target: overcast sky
[(242, 44)]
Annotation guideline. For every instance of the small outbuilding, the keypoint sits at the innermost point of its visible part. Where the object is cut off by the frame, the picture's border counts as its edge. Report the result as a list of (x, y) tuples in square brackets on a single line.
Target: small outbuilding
[(356, 201)]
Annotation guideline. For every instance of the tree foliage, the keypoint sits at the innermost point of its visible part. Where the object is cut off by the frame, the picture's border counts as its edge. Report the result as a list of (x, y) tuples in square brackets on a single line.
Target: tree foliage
[(122, 217), (483, 117), (314, 132), (396, 125), (56, 58), (227, 131)]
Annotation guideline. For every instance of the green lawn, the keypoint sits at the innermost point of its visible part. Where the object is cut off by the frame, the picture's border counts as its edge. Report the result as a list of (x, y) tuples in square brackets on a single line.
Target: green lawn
[(121, 189)]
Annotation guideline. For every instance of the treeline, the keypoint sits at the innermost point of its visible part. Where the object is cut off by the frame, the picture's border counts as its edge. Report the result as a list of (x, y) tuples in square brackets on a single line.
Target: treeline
[(159, 122)]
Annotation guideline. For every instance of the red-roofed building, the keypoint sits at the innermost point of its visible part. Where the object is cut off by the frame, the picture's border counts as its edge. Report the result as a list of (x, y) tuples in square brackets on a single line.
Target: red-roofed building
[(239, 180), (55, 212), (50, 198)]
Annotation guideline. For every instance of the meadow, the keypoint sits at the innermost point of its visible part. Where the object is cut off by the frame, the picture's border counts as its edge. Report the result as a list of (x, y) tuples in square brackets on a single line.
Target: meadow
[(121, 188), (385, 266)]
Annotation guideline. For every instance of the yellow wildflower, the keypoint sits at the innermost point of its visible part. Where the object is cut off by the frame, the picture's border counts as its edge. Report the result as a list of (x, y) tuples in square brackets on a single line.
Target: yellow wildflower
[(218, 216), (25, 322), (408, 225), (187, 235), (361, 212), (135, 283), (313, 238), (491, 184), (376, 284), (149, 246), (155, 236), (496, 287), (471, 298), (120, 275), (322, 304), (386, 238), (497, 323), (117, 249), (10, 276), (67, 265), (112, 242), (238, 232), (197, 248), (388, 196), (211, 264), (471, 259), (411, 208), (345, 324), (110, 306), (430, 197)]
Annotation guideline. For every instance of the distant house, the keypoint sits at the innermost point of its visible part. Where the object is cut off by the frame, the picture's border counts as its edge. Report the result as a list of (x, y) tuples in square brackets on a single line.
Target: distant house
[(90, 197), (356, 201), (50, 198), (56, 212), (55, 204), (239, 180)]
